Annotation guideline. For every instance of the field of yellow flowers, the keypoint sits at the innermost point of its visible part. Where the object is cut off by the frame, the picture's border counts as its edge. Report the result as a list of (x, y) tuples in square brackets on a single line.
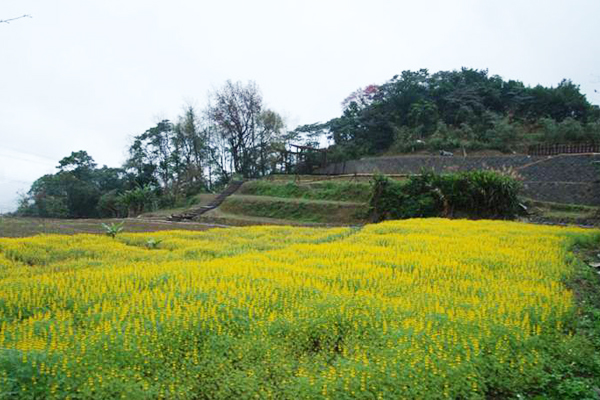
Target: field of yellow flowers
[(427, 308)]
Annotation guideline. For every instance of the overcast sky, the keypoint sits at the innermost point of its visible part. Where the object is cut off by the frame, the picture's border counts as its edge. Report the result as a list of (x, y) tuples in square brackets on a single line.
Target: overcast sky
[(89, 75)]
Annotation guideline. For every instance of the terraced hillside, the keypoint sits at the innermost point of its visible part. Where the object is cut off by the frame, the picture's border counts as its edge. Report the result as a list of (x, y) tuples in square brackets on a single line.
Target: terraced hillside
[(294, 202)]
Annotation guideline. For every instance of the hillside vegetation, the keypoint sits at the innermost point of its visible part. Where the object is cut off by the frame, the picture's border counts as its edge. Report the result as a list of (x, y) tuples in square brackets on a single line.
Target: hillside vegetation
[(285, 201), (413, 309), (464, 109), (475, 194), (297, 210), (168, 164)]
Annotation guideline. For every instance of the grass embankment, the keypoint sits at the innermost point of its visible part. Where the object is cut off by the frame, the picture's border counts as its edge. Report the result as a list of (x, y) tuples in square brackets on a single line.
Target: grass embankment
[(548, 212), (356, 192), (322, 211), (407, 309), (339, 203)]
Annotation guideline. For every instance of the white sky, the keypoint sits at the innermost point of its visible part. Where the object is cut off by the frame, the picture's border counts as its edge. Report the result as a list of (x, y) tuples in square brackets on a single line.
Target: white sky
[(89, 75)]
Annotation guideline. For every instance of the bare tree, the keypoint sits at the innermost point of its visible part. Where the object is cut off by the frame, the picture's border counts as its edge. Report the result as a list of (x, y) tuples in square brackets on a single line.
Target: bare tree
[(238, 115)]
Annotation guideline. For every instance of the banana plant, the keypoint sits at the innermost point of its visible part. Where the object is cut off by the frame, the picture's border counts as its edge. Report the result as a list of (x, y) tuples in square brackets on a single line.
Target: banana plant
[(113, 229)]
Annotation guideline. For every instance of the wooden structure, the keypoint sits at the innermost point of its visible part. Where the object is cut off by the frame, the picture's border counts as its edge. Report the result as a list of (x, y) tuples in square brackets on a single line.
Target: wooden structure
[(554, 149)]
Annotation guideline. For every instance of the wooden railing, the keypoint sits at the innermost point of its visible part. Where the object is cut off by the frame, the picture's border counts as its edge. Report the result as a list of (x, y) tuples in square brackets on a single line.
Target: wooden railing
[(554, 149)]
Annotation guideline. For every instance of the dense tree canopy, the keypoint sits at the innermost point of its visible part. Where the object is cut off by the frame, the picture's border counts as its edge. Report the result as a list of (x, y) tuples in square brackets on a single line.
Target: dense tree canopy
[(79, 189), (465, 108)]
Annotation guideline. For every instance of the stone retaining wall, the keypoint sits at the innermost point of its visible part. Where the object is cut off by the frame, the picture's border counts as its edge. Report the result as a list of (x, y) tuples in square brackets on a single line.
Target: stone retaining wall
[(567, 178)]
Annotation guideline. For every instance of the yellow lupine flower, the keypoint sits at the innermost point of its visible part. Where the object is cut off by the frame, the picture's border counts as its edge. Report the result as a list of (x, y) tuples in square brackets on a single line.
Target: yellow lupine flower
[(404, 300)]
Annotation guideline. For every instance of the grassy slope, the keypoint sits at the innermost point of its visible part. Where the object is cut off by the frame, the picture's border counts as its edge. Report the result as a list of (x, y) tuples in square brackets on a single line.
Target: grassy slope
[(548, 212), (217, 216), (328, 190), (322, 211), (286, 202), (305, 190)]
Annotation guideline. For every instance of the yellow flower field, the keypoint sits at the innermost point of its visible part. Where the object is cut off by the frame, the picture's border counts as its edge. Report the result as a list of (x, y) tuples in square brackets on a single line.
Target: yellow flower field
[(427, 308)]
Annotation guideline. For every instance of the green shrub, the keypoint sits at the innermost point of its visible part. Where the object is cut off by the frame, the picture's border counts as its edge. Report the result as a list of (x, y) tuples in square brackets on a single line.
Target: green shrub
[(473, 194), (138, 200)]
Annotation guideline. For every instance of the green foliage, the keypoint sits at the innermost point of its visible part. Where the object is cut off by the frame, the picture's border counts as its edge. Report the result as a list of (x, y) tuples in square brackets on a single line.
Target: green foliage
[(473, 194), (465, 109), (569, 130), (113, 229), (109, 205), (79, 162), (77, 190), (138, 200), (153, 243), (573, 368)]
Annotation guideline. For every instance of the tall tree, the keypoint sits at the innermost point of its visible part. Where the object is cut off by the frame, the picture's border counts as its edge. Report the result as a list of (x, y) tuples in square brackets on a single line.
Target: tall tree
[(237, 113), (190, 155), (152, 153)]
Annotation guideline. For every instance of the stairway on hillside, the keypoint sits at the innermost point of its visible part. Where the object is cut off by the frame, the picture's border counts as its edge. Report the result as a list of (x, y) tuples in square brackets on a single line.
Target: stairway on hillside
[(193, 213)]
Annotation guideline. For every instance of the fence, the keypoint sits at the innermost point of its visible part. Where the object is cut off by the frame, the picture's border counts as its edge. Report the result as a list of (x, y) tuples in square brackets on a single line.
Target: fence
[(554, 149)]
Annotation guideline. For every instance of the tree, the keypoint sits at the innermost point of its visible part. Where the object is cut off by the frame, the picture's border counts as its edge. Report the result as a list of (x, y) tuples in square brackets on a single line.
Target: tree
[(237, 114), (152, 155), (176, 157), (79, 162), (270, 127), (77, 190), (462, 108), (191, 152), (363, 97)]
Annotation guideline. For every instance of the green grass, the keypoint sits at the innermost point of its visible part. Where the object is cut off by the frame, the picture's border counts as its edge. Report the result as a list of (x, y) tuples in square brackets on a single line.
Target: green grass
[(335, 191), (573, 208), (338, 213), (574, 374), (546, 211)]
